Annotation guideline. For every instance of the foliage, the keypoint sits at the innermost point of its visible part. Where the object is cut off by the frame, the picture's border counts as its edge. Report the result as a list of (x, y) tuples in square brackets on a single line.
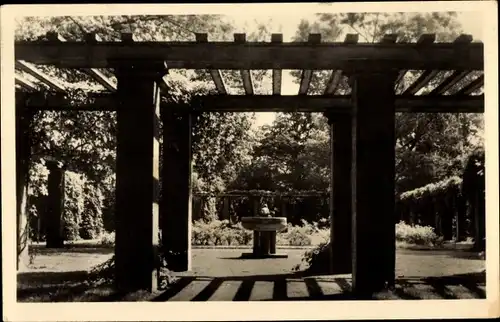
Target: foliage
[(429, 146), (317, 260), (415, 235), (221, 232), (74, 205), (432, 190), (107, 239)]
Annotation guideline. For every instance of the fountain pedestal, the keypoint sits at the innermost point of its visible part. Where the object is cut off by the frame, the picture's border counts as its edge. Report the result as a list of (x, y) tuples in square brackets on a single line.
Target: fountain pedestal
[(264, 236)]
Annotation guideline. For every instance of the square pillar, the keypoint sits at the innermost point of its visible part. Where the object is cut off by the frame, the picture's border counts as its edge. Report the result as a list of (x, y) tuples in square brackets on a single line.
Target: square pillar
[(373, 173), (23, 154), (176, 213), (55, 205), (137, 178), (340, 193)]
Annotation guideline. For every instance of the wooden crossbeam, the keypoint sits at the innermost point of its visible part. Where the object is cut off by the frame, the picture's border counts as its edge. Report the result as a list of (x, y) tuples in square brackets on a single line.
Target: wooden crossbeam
[(38, 74), (457, 75), (230, 55), (26, 84), (423, 41), (215, 73), (339, 104), (305, 79), (336, 76), (246, 76), (472, 86), (423, 80), (271, 103), (449, 82), (90, 38), (277, 39)]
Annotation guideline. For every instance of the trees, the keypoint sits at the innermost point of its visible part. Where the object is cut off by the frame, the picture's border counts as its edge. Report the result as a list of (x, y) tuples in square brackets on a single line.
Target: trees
[(429, 147), (85, 141)]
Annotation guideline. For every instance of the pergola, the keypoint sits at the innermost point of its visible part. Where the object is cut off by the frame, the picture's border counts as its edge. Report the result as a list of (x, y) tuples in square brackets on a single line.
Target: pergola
[(362, 197)]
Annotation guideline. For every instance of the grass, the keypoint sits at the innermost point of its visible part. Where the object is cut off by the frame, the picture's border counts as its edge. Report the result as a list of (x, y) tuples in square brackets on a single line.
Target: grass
[(59, 275)]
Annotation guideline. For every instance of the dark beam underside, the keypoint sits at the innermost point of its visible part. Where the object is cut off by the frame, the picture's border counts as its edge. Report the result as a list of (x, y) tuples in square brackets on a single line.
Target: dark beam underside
[(273, 103), (227, 55)]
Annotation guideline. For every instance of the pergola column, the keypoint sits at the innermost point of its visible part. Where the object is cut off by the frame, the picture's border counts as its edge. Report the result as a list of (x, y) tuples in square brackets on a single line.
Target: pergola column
[(55, 204), (23, 120), (373, 195), (176, 213), (340, 193), (137, 177)]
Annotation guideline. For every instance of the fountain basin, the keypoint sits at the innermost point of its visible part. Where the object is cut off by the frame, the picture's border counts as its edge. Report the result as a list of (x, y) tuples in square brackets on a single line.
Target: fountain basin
[(264, 223), (264, 236)]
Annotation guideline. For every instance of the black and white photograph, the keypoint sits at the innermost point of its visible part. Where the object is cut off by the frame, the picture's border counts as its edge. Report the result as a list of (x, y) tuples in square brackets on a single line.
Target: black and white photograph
[(321, 154)]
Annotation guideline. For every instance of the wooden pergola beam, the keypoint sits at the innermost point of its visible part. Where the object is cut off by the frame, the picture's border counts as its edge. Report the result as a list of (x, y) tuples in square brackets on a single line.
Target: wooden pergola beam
[(41, 76), (273, 103), (421, 81), (277, 39), (472, 86), (202, 38), (305, 79), (90, 38), (230, 55), (423, 40), (26, 84), (336, 76), (449, 82), (246, 76)]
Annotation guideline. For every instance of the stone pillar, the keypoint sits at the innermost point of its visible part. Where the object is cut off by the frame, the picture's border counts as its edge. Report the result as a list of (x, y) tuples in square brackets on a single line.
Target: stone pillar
[(23, 149), (137, 177), (55, 205), (340, 193), (373, 193), (177, 196)]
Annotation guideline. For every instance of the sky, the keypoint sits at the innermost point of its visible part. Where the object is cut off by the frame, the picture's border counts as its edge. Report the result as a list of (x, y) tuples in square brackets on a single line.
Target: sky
[(287, 25)]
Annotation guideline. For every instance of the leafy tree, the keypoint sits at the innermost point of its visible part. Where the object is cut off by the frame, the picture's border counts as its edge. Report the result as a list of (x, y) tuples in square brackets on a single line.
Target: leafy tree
[(429, 147)]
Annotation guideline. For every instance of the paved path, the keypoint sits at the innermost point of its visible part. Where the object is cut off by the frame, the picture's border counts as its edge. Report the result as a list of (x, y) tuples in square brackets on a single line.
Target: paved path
[(276, 288)]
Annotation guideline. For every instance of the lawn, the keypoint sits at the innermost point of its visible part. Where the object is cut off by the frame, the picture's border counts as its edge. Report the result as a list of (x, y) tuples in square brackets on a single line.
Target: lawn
[(58, 275)]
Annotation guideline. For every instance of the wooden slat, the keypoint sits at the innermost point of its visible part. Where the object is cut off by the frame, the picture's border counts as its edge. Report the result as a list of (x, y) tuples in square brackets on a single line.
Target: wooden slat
[(306, 77), (420, 82), (215, 73), (246, 76), (389, 39), (273, 103), (336, 76), (93, 72), (449, 82), (472, 86), (337, 104), (463, 39), (423, 40), (228, 55), (26, 84), (457, 75), (351, 39), (276, 39), (218, 81), (38, 74)]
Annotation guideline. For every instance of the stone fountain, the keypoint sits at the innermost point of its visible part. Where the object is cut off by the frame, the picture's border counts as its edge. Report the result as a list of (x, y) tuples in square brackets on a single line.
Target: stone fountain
[(264, 235)]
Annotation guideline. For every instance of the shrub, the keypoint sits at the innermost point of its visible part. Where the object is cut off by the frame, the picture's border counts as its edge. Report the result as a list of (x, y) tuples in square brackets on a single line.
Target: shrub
[(107, 239), (74, 204), (417, 235), (92, 225), (299, 235), (317, 260)]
